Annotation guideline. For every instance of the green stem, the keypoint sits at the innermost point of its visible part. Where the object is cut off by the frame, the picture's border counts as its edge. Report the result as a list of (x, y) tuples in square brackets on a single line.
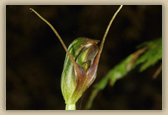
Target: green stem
[(70, 107)]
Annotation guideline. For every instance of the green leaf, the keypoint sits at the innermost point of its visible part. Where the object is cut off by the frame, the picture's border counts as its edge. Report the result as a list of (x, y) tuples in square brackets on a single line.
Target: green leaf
[(149, 54)]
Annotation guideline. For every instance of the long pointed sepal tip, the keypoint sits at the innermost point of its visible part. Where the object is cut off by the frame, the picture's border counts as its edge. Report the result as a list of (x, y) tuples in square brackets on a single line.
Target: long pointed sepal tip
[(31, 9)]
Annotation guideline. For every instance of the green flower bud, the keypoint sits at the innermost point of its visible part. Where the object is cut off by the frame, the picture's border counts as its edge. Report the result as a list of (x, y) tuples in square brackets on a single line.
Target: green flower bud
[(80, 66), (74, 81)]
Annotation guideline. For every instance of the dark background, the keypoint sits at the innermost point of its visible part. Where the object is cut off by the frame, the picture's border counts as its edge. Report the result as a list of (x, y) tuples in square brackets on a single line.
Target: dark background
[(35, 57)]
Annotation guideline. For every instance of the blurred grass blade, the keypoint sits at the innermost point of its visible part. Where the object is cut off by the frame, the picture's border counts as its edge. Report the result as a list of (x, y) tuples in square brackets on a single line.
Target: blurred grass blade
[(152, 53)]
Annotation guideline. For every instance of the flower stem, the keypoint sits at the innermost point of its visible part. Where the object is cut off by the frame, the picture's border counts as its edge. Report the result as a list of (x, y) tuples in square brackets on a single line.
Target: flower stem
[(70, 107)]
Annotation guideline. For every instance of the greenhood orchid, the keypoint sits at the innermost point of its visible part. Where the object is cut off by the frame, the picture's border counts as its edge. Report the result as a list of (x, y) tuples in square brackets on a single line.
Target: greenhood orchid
[(80, 66)]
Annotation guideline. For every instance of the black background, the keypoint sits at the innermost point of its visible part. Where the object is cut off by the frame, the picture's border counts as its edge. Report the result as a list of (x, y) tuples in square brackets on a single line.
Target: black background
[(35, 57)]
